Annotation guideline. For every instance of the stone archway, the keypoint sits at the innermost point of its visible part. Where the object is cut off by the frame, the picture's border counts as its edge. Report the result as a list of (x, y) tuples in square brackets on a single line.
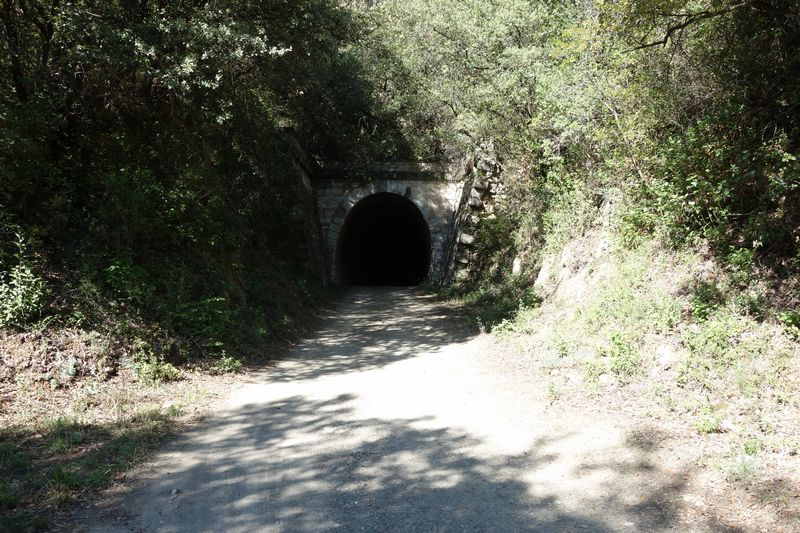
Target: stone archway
[(436, 200), (384, 240)]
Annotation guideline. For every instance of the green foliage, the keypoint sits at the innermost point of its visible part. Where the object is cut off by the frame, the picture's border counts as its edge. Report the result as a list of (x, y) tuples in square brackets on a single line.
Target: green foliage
[(64, 434), (706, 298), (752, 446), (22, 291), (493, 305), (128, 282), (629, 300), (624, 359), (211, 318), (227, 364), (708, 422), (151, 368), (723, 166), (715, 346), (173, 200), (791, 322)]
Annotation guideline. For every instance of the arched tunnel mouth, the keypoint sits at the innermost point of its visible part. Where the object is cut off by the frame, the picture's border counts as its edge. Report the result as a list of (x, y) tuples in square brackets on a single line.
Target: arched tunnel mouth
[(385, 241)]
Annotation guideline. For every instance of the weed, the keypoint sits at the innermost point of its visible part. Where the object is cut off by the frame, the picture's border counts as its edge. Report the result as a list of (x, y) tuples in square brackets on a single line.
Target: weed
[(12, 459), (64, 434), (713, 346), (552, 393), (741, 262), (629, 301), (708, 422), (9, 498), (592, 370), (741, 468), (752, 446), (791, 322), (624, 359), (155, 370), (22, 291), (62, 478), (563, 347), (227, 364), (706, 298)]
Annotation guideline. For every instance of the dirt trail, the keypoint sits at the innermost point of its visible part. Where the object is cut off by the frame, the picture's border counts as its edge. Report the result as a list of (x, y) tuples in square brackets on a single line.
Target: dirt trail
[(396, 418)]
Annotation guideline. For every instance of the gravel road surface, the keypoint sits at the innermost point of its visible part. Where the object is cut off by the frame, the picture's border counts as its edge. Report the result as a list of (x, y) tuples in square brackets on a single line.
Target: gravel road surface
[(396, 416)]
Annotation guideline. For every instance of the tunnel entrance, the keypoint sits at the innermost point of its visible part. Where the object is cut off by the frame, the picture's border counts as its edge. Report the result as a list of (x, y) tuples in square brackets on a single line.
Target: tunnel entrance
[(384, 241)]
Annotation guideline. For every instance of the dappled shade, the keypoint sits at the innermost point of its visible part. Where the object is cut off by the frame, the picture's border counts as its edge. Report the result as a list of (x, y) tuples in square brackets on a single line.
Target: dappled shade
[(384, 241)]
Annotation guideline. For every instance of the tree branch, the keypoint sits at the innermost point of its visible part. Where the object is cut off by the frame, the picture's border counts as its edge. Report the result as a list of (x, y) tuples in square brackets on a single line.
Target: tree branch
[(689, 19)]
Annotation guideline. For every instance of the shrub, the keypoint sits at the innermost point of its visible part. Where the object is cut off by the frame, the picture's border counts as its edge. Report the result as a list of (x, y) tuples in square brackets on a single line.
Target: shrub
[(791, 322), (706, 297), (227, 364), (22, 291), (624, 359)]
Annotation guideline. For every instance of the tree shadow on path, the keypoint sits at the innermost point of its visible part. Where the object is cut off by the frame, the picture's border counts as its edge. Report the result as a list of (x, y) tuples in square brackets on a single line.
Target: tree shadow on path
[(302, 465), (372, 328)]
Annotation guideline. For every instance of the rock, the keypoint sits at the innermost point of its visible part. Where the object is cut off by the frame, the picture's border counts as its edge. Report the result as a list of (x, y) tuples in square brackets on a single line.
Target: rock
[(475, 200), (466, 239), (667, 356), (481, 185), (606, 380), (516, 268)]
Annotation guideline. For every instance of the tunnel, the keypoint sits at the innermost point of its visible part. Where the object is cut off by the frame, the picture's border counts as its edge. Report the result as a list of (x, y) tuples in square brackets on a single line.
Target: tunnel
[(385, 240)]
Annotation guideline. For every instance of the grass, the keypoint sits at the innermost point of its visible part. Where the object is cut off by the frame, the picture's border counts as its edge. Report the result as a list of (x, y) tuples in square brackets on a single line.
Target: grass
[(50, 465), (104, 428), (669, 335)]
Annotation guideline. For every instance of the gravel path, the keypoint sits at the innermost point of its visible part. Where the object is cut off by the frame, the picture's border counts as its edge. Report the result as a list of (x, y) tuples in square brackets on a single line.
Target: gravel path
[(395, 417)]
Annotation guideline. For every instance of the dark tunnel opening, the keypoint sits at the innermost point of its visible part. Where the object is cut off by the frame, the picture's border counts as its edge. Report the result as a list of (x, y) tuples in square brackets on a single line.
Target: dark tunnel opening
[(384, 241)]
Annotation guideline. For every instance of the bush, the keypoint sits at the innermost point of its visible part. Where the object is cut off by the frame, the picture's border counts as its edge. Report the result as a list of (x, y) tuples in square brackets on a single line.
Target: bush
[(22, 291), (706, 297), (227, 364), (624, 359)]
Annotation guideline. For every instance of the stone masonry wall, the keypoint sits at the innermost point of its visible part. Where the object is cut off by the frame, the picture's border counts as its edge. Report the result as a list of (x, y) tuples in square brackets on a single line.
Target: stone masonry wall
[(437, 200)]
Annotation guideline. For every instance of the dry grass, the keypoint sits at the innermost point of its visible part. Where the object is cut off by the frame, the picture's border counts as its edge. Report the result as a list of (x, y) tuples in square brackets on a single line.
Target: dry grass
[(629, 337), (73, 424)]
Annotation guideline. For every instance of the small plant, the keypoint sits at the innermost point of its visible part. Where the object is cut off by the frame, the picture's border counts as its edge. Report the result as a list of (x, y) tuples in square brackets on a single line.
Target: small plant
[(12, 460), (22, 291), (563, 347), (227, 364), (9, 498), (155, 370), (553, 394), (706, 298), (592, 370), (64, 434), (741, 262), (791, 322), (63, 478), (741, 468), (625, 360), (708, 422), (752, 446), (150, 367)]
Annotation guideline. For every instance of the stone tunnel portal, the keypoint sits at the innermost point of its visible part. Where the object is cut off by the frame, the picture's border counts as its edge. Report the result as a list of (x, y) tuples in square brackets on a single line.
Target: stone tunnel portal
[(385, 240)]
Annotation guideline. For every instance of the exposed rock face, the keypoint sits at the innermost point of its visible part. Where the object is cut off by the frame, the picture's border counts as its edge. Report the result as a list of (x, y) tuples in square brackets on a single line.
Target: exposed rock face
[(482, 177)]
